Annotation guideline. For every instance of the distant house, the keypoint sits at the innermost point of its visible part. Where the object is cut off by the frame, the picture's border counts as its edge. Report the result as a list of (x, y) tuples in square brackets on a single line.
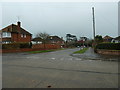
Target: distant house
[(116, 40), (107, 38), (14, 33), (55, 40), (83, 39), (49, 40), (37, 40), (71, 38)]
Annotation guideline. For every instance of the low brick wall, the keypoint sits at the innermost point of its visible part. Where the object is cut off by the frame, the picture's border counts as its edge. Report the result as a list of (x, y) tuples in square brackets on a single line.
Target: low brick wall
[(47, 46), (108, 52), (36, 47), (19, 50)]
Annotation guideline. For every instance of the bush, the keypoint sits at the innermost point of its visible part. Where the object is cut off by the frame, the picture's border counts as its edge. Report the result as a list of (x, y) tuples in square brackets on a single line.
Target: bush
[(16, 45), (10, 46), (24, 45), (108, 46)]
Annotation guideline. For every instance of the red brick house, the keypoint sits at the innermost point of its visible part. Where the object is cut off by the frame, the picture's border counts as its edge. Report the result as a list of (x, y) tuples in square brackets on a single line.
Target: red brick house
[(50, 40), (107, 38), (14, 33), (55, 40)]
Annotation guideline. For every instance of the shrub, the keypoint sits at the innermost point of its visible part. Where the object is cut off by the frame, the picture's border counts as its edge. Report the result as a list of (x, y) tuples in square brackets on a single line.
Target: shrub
[(10, 46), (16, 45), (108, 46), (24, 45)]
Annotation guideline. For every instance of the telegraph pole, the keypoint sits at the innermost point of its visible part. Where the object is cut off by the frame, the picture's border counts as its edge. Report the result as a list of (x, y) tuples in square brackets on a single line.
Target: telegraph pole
[(93, 22), (94, 43)]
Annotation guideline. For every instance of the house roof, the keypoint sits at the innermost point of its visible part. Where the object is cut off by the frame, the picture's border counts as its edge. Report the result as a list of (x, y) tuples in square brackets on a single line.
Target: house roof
[(37, 39), (107, 37), (117, 38), (55, 38), (13, 29), (50, 38)]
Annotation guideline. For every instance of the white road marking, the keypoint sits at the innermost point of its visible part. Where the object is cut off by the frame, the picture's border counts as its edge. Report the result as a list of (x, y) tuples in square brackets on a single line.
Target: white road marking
[(78, 59), (53, 58)]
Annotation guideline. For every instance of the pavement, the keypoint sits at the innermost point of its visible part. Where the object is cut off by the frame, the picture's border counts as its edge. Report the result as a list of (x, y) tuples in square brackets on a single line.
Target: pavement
[(57, 69), (91, 55)]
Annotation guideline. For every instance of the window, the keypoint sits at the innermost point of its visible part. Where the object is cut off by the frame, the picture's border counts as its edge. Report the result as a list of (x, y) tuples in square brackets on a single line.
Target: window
[(6, 42), (6, 34), (22, 35), (51, 37)]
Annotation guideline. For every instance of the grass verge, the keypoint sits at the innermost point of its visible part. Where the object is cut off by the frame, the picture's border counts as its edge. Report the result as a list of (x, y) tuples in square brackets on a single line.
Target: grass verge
[(81, 51)]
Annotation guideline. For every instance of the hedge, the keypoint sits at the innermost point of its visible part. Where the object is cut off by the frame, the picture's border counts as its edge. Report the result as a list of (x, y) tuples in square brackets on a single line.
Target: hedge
[(108, 46), (25, 45), (16, 45)]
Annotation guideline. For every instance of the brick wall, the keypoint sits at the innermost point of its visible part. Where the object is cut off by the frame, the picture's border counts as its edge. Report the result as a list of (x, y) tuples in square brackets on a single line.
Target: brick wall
[(19, 50), (14, 37), (25, 39), (17, 37), (46, 46), (36, 47)]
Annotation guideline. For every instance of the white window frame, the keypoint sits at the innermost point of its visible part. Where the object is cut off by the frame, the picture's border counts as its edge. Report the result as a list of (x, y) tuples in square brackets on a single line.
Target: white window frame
[(6, 42), (51, 37), (24, 35), (6, 34)]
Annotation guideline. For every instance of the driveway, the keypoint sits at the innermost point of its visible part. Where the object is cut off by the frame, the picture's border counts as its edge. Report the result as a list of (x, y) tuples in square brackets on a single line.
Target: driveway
[(57, 69)]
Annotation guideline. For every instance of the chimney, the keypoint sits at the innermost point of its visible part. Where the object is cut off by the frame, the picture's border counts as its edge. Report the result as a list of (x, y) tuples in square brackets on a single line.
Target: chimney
[(19, 28), (19, 24)]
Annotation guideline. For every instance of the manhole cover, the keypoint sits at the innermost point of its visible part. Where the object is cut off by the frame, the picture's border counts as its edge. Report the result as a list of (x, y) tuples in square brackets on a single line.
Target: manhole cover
[(49, 86)]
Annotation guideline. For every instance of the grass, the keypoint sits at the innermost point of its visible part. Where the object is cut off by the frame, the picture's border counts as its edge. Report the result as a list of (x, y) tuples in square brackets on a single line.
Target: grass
[(81, 51), (44, 51)]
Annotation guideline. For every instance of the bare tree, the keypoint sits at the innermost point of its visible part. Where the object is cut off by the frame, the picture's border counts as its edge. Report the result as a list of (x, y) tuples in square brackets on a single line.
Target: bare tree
[(43, 36)]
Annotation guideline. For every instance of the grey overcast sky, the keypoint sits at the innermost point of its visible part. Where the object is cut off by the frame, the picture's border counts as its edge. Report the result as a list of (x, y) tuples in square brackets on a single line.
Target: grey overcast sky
[(61, 18)]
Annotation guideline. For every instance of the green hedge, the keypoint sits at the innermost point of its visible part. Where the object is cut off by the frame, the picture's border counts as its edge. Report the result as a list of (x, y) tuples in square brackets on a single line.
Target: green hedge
[(16, 45), (108, 46), (24, 45)]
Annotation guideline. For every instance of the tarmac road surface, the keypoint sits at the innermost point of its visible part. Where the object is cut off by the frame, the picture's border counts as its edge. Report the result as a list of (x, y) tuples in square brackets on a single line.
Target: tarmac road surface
[(58, 70)]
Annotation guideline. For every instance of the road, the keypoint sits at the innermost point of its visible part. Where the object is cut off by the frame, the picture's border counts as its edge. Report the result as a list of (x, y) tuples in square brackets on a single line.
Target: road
[(57, 69)]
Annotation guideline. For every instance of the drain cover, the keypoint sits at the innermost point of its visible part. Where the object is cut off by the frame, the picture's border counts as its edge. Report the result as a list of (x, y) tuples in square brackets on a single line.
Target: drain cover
[(49, 86)]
